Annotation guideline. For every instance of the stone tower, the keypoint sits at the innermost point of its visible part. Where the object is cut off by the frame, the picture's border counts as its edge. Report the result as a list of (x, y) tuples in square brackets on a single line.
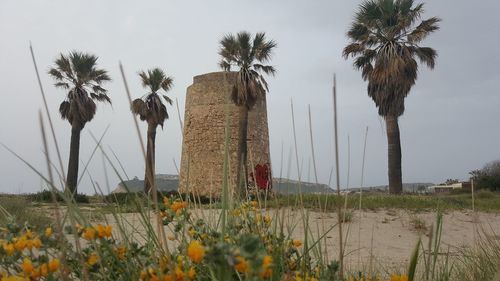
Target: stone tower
[(202, 160)]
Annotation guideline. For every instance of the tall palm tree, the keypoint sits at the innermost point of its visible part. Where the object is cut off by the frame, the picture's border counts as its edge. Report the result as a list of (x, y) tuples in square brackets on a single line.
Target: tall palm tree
[(385, 40), (78, 74), (249, 56), (151, 109)]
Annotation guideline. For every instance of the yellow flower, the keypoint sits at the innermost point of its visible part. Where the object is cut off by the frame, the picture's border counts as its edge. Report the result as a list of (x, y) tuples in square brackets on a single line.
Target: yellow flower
[(267, 270), (54, 265), (403, 278), (37, 243), (28, 234), (101, 229), (297, 243), (29, 244), (48, 231), (267, 261), (166, 202), (27, 266), (108, 231), (267, 219), (89, 233), (195, 251), (8, 248), (191, 273), (44, 270), (242, 265), (92, 260), (20, 243), (178, 205), (180, 259), (120, 252), (179, 274), (35, 274)]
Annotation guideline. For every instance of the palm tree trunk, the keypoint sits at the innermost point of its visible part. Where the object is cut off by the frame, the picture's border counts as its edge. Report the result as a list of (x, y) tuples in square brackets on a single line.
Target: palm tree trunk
[(74, 151), (242, 167), (394, 155), (150, 158)]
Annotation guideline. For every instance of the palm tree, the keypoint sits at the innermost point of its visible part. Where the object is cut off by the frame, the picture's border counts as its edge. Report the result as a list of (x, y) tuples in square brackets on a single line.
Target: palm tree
[(385, 41), (151, 109), (77, 73), (249, 56)]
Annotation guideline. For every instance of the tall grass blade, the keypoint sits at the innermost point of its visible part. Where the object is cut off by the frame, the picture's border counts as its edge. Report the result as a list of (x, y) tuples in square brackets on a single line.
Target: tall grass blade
[(339, 208)]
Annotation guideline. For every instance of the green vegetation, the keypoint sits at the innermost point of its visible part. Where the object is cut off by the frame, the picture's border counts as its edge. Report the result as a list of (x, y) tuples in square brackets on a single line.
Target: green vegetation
[(248, 56), (385, 42), (77, 73), (485, 201), (488, 177), (15, 209)]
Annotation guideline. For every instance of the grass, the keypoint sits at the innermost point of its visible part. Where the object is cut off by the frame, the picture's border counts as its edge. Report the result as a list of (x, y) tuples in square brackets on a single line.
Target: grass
[(14, 209), (485, 202)]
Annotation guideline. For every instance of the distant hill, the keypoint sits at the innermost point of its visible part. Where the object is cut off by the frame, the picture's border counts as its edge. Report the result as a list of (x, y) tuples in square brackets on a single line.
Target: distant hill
[(287, 186), (166, 183)]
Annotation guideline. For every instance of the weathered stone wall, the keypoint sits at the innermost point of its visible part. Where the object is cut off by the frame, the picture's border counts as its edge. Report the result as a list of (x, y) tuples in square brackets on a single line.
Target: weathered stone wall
[(208, 101)]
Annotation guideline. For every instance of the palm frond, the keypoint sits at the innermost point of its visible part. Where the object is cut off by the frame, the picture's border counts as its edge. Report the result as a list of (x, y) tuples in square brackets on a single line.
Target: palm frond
[(63, 85), (425, 55), (369, 13), (101, 97), (64, 65), (262, 50), (225, 65), (358, 32), (56, 74), (167, 99), (229, 48), (353, 50), (140, 108), (267, 69), (167, 83), (82, 64), (98, 89), (98, 75), (425, 28), (64, 109)]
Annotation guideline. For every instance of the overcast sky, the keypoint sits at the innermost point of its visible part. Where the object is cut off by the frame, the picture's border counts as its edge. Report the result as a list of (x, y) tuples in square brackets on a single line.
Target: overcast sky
[(450, 126)]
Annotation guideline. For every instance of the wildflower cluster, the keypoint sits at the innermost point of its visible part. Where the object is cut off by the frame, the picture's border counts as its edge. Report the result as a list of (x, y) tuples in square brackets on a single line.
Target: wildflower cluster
[(24, 255), (248, 247), (174, 210)]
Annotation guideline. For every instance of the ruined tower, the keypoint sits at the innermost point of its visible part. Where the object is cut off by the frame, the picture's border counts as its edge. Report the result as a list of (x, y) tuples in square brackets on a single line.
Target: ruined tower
[(208, 101)]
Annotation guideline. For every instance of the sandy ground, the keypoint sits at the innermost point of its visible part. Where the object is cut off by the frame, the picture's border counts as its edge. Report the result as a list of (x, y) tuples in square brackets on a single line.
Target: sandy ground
[(380, 239)]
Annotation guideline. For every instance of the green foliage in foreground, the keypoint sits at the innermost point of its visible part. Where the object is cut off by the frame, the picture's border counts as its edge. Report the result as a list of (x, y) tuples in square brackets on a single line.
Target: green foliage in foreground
[(252, 245)]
